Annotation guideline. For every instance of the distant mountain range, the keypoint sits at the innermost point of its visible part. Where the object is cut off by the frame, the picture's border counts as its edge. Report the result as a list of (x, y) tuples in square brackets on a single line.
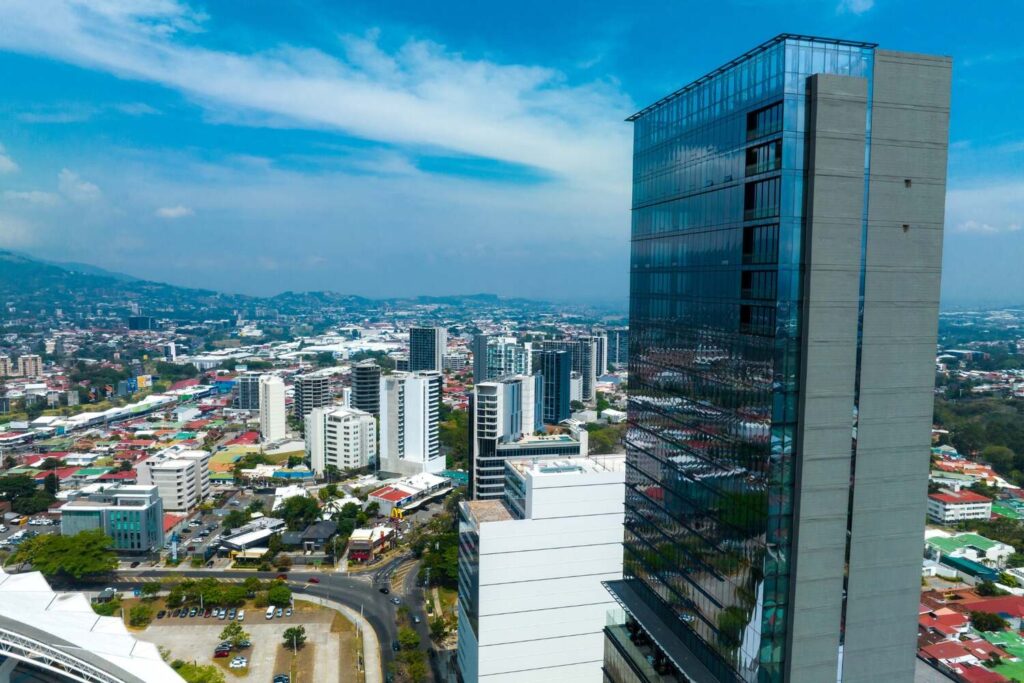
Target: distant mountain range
[(38, 284)]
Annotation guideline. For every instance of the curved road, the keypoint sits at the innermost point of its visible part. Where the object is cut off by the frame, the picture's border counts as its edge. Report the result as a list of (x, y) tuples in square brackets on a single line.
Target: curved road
[(361, 593)]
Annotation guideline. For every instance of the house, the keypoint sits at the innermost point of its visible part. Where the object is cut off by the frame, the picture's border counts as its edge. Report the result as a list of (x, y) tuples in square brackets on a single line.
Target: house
[(971, 546), (317, 535), (949, 507), (944, 622)]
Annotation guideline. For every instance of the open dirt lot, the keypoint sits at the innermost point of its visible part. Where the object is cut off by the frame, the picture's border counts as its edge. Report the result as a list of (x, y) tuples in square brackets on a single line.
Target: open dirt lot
[(327, 656)]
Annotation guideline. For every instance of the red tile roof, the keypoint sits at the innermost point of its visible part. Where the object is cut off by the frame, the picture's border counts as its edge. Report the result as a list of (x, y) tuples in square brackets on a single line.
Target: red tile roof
[(1012, 605), (959, 498), (171, 521), (389, 494), (978, 674)]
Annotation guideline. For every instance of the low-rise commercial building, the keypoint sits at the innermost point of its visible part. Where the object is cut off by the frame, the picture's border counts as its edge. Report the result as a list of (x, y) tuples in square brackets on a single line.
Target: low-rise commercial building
[(410, 493), (950, 507), (366, 544), (131, 515)]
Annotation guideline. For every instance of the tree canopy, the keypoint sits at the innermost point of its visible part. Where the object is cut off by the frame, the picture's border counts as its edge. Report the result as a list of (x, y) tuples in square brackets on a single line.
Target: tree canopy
[(299, 512), (86, 554)]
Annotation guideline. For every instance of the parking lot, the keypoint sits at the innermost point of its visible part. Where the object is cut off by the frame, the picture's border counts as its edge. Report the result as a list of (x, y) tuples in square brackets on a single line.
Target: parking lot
[(194, 639), (13, 534)]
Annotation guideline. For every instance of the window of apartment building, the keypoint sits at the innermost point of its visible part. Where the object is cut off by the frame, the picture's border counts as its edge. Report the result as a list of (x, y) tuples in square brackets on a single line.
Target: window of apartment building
[(761, 244), (764, 157), (761, 198), (764, 121)]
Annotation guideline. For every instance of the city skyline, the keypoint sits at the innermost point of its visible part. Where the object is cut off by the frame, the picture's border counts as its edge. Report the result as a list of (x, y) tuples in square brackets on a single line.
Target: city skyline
[(176, 129)]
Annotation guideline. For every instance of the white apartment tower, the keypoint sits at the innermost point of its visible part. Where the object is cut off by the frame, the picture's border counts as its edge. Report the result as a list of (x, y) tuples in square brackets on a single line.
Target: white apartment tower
[(409, 414), (343, 437), (182, 477), (273, 425), (532, 606)]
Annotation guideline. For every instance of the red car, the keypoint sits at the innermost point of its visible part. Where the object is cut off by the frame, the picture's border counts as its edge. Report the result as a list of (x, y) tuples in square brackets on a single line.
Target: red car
[(313, 579), (282, 577), (221, 653)]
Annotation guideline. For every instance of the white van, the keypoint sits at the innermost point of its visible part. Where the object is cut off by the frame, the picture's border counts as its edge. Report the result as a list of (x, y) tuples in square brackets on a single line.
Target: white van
[(270, 612)]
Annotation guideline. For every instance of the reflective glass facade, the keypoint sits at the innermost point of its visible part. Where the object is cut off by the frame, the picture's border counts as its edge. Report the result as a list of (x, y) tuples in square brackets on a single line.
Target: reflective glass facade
[(714, 362)]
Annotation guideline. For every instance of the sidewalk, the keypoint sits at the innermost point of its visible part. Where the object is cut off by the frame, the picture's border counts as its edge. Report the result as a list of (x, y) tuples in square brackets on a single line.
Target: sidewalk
[(371, 646)]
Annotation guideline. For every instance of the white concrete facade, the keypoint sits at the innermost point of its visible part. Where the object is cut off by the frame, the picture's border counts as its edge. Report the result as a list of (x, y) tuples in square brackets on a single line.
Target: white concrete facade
[(273, 424), (181, 476), (343, 437), (409, 415), (531, 602)]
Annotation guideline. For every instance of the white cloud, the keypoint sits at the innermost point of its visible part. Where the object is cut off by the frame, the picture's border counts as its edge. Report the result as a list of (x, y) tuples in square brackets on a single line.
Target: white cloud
[(854, 6), (991, 208), (172, 212), (75, 188), (37, 197), (420, 94), (15, 232), (7, 164)]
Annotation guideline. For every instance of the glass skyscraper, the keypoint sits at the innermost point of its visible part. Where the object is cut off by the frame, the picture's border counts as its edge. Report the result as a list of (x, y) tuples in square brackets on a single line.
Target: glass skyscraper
[(786, 247)]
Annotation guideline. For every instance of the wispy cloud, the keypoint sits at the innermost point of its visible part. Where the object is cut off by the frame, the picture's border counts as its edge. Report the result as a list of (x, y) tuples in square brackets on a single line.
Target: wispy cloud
[(172, 212), (37, 197), (77, 189), (78, 112), (7, 164), (854, 6), (988, 209), (420, 94)]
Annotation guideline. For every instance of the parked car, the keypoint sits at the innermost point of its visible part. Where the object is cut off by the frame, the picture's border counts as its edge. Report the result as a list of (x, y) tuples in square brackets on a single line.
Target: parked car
[(270, 613), (278, 612), (223, 614), (282, 678), (238, 663), (161, 614), (241, 615), (192, 612), (288, 611), (231, 614), (244, 644), (184, 613), (135, 564), (221, 653), (313, 579), (207, 613), (175, 613)]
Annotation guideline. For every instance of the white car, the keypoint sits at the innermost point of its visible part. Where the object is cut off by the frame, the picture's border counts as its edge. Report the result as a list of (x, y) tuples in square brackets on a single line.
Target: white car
[(241, 615), (239, 663)]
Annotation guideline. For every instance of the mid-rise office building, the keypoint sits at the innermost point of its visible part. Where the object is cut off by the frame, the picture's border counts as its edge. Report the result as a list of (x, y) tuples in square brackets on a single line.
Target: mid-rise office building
[(366, 386), (426, 348), (181, 476), (141, 322), (786, 243), (618, 346), (583, 353), (409, 417), (311, 391), (247, 391), (601, 351), (503, 410), (531, 601), (133, 516), (273, 420), (495, 357), (555, 369), (344, 438)]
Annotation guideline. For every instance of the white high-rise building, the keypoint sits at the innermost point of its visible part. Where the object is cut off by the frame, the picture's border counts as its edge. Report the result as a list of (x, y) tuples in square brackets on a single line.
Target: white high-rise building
[(409, 415), (532, 606), (343, 437), (504, 411), (273, 424), (182, 477)]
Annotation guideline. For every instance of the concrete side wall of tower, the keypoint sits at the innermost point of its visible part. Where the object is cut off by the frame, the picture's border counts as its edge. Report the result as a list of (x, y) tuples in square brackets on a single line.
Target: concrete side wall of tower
[(910, 132), (837, 110)]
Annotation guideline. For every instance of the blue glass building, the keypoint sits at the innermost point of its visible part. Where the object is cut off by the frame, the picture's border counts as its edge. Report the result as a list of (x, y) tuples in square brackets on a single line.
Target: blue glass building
[(783, 309)]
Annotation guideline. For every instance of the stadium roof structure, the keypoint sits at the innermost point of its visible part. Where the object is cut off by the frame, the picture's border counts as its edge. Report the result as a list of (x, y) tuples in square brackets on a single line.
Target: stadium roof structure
[(61, 634)]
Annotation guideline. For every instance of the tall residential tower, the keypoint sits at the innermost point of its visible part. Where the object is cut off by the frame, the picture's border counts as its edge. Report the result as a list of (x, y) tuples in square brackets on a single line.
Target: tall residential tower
[(786, 248)]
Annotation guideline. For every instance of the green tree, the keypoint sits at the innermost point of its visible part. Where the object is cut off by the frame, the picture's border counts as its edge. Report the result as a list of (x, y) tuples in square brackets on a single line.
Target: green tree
[(988, 589), (987, 621), (408, 639), (279, 595), (295, 637), (140, 615), (234, 633), (438, 628), (150, 590), (86, 554), (16, 486), (252, 585), (51, 484), (299, 512), (999, 457)]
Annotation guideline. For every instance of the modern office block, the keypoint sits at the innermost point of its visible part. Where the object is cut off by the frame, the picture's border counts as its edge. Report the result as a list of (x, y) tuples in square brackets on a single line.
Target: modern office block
[(618, 346), (601, 352), (504, 410), (555, 368), (426, 348), (786, 249), (247, 392), (345, 438), (495, 357), (133, 516), (531, 601), (366, 386), (311, 391), (182, 477), (273, 422), (141, 322), (583, 352), (409, 415)]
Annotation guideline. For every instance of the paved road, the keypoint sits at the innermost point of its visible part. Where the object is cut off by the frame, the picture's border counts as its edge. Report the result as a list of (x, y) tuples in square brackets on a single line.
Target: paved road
[(359, 593)]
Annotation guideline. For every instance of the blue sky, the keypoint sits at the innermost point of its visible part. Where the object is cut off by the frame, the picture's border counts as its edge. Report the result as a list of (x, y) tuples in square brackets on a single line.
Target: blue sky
[(394, 148)]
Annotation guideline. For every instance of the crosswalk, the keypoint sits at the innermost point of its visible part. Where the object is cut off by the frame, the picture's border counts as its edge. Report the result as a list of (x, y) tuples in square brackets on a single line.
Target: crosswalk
[(398, 576)]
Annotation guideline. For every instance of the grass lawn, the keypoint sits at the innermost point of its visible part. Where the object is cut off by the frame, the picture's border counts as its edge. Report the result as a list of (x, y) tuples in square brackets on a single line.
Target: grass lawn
[(1012, 670)]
